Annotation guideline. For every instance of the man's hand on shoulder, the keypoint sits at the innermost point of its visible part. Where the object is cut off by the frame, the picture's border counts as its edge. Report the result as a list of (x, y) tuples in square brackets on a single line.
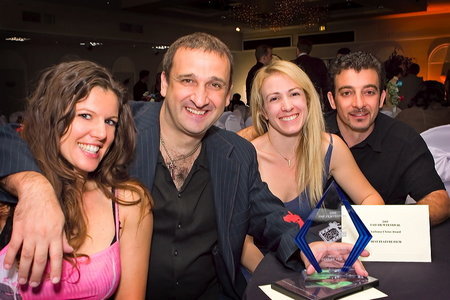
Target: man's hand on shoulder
[(38, 228)]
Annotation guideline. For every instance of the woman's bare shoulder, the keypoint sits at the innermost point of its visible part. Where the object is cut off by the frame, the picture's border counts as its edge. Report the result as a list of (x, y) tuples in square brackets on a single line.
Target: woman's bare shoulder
[(260, 143), (131, 193)]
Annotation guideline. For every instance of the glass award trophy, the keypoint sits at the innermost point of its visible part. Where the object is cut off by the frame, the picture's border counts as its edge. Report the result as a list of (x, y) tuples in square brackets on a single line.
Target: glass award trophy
[(324, 224)]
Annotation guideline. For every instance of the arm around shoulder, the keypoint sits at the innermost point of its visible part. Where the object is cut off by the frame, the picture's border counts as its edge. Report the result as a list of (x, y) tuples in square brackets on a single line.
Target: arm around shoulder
[(15, 155), (38, 227)]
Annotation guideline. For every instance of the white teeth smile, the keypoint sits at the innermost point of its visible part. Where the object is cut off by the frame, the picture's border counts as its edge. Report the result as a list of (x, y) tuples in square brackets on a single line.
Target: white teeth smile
[(89, 148), (290, 118), (196, 112)]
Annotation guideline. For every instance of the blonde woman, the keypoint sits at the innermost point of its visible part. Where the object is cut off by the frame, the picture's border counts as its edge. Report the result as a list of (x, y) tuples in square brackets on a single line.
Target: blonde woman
[(295, 155)]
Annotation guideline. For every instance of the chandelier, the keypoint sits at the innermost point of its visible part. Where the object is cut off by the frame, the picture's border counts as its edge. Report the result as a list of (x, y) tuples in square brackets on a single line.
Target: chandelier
[(274, 14)]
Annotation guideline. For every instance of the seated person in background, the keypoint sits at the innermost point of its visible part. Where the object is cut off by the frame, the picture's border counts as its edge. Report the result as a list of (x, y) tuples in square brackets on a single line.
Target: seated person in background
[(235, 120), (16, 117), (428, 108), (390, 105), (79, 129), (221, 121), (140, 87), (235, 99), (410, 86), (3, 119), (292, 141), (392, 156)]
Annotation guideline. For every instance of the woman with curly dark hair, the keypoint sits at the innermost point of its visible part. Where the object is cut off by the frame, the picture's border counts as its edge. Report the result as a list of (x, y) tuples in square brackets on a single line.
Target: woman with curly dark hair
[(80, 131)]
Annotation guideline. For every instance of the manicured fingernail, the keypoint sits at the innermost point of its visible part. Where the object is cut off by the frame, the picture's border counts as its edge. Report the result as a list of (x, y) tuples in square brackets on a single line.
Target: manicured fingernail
[(22, 281), (34, 284), (7, 266), (55, 280)]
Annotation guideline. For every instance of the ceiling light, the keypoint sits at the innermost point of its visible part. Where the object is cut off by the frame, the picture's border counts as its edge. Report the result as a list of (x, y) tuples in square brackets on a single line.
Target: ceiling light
[(160, 47), (17, 39), (275, 14), (95, 44)]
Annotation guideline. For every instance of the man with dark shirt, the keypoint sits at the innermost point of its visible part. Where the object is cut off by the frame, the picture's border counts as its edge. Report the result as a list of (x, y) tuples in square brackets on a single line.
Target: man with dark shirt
[(204, 181), (392, 156), (316, 70), (263, 54)]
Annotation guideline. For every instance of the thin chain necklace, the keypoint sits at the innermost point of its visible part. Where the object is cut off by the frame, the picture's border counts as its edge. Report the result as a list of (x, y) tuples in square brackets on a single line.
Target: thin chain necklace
[(284, 157), (171, 165)]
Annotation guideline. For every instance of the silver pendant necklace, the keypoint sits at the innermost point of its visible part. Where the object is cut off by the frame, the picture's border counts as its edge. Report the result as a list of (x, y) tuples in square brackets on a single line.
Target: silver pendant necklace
[(285, 158), (171, 164)]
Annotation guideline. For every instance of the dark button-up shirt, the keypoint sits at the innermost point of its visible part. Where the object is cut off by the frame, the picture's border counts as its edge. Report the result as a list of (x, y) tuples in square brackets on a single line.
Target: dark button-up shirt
[(395, 160), (184, 235)]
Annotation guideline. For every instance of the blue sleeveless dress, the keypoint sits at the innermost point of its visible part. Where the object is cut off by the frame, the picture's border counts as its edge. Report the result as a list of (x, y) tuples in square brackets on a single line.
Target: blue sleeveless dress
[(300, 206)]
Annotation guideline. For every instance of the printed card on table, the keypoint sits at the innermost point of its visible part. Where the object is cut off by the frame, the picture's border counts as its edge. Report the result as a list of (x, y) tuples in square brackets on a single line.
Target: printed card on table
[(401, 233)]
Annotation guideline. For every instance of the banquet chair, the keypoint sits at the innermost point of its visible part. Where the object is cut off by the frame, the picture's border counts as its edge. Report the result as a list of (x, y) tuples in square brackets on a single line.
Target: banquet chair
[(221, 121), (438, 141)]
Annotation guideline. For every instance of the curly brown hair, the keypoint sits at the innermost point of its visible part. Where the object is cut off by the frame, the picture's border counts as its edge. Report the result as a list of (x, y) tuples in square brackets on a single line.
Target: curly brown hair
[(50, 111)]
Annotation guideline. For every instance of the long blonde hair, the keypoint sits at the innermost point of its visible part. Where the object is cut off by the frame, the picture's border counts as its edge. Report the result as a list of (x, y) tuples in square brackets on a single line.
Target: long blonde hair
[(310, 164)]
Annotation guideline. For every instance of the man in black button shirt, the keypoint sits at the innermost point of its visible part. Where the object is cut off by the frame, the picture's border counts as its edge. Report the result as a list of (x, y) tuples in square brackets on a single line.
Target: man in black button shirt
[(205, 184), (392, 156)]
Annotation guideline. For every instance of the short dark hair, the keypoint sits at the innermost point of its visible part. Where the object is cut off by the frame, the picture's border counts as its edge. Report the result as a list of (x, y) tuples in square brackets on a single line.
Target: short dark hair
[(357, 61), (197, 40), (343, 51), (236, 97), (304, 45), (262, 50), (143, 74), (414, 69)]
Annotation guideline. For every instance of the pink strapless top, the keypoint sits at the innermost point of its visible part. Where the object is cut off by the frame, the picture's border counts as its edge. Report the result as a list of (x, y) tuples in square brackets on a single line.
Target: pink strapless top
[(97, 277)]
